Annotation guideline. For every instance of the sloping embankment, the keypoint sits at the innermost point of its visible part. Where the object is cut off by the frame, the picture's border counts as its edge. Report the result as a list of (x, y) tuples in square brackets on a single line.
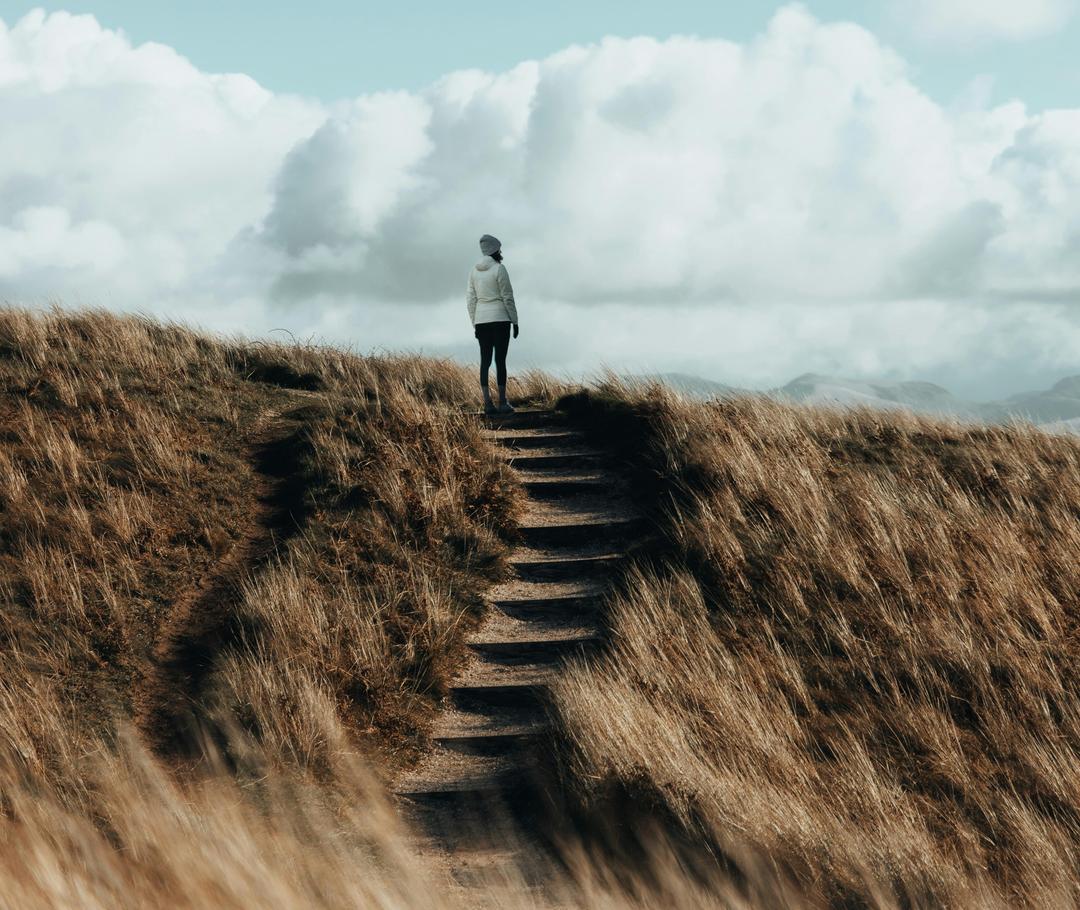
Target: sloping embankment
[(855, 658)]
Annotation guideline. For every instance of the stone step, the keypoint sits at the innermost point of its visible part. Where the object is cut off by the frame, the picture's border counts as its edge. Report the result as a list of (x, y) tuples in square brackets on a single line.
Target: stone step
[(576, 605), (583, 458), (562, 568), (501, 626), (464, 786), (490, 730), (465, 820), (486, 694), (495, 742), (527, 419), (565, 487), (587, 532), (463, 813), (535, 650), (456, 776), (446, 772), (564, 439)]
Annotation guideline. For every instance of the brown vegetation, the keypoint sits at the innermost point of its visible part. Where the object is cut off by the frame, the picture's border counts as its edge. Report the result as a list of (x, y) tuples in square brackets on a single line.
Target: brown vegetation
[(276, 549), (855, 652), (180, 515), (233, 581), (235, 578)]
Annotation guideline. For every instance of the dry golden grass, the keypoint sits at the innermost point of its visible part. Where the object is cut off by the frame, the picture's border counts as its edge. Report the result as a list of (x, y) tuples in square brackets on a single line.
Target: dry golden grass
[(319, 613), (855, 651), (220, 539), (235, 578), (138, 838)]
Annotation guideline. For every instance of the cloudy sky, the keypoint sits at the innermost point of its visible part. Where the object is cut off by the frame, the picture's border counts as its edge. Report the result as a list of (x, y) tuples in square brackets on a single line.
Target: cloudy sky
[(884, 190)]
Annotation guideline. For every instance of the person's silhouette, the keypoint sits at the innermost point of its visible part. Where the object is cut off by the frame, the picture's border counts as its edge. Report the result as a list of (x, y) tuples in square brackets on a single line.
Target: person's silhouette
[(492, 311)]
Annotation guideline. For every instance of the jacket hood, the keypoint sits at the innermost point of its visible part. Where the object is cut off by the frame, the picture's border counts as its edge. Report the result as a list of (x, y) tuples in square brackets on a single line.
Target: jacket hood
[(484, 264)]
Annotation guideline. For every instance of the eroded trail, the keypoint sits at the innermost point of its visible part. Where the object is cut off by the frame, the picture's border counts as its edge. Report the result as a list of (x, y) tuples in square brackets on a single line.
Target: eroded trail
[(475, 798), (167, 701)]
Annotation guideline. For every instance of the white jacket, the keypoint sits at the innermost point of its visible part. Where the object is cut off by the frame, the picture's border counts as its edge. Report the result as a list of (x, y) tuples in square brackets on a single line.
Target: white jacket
[(489, 295)]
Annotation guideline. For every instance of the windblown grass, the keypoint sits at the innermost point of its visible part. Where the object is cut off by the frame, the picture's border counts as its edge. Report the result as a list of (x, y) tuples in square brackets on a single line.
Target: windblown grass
[(144, 546), (855, 651), (845, 675), (130, 475)]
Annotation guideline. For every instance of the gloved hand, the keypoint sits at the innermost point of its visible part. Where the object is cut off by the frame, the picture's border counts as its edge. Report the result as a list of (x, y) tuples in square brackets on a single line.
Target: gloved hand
[(515, 330)]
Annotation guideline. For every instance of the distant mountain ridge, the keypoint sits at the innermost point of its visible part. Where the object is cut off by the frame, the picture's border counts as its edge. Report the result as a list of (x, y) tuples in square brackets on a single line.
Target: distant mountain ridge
[(815, 388), (1056, 408), (1060, 402), (689, 384)]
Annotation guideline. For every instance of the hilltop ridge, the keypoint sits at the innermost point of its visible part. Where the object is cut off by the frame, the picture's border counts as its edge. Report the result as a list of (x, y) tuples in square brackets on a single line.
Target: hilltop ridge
[(1061, 402)]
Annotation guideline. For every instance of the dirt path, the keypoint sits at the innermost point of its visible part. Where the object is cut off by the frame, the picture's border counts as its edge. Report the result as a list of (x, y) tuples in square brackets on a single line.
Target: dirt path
[(198, 625), (474, 798)]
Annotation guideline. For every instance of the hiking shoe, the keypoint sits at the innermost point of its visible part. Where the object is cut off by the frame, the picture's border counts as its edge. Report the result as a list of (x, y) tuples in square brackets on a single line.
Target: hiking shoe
[(506, 408), (490, 409)]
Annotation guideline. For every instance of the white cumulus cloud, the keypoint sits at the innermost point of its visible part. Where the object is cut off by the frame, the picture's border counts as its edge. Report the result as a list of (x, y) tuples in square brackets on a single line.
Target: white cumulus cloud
[(971, 21), (746, 210), (133, 143)]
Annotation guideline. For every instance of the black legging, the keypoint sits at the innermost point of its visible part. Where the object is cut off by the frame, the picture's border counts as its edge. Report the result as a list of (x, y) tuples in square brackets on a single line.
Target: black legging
[(493, 337)]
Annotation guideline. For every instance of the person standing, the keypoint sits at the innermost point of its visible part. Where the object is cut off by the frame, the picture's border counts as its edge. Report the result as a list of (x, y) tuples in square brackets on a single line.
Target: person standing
[(492, 311)]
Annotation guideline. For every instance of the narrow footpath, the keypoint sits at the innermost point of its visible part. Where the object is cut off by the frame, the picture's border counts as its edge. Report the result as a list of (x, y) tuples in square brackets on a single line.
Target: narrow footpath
[(475, 799)]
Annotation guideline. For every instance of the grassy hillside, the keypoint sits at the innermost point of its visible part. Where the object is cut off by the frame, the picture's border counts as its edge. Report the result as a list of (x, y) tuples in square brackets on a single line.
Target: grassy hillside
[(853, 654), (235, 579), (266, 553), (188, 522)]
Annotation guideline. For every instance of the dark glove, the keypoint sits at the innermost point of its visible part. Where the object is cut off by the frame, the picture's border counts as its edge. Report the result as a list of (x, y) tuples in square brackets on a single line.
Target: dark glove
[(515, 330)]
